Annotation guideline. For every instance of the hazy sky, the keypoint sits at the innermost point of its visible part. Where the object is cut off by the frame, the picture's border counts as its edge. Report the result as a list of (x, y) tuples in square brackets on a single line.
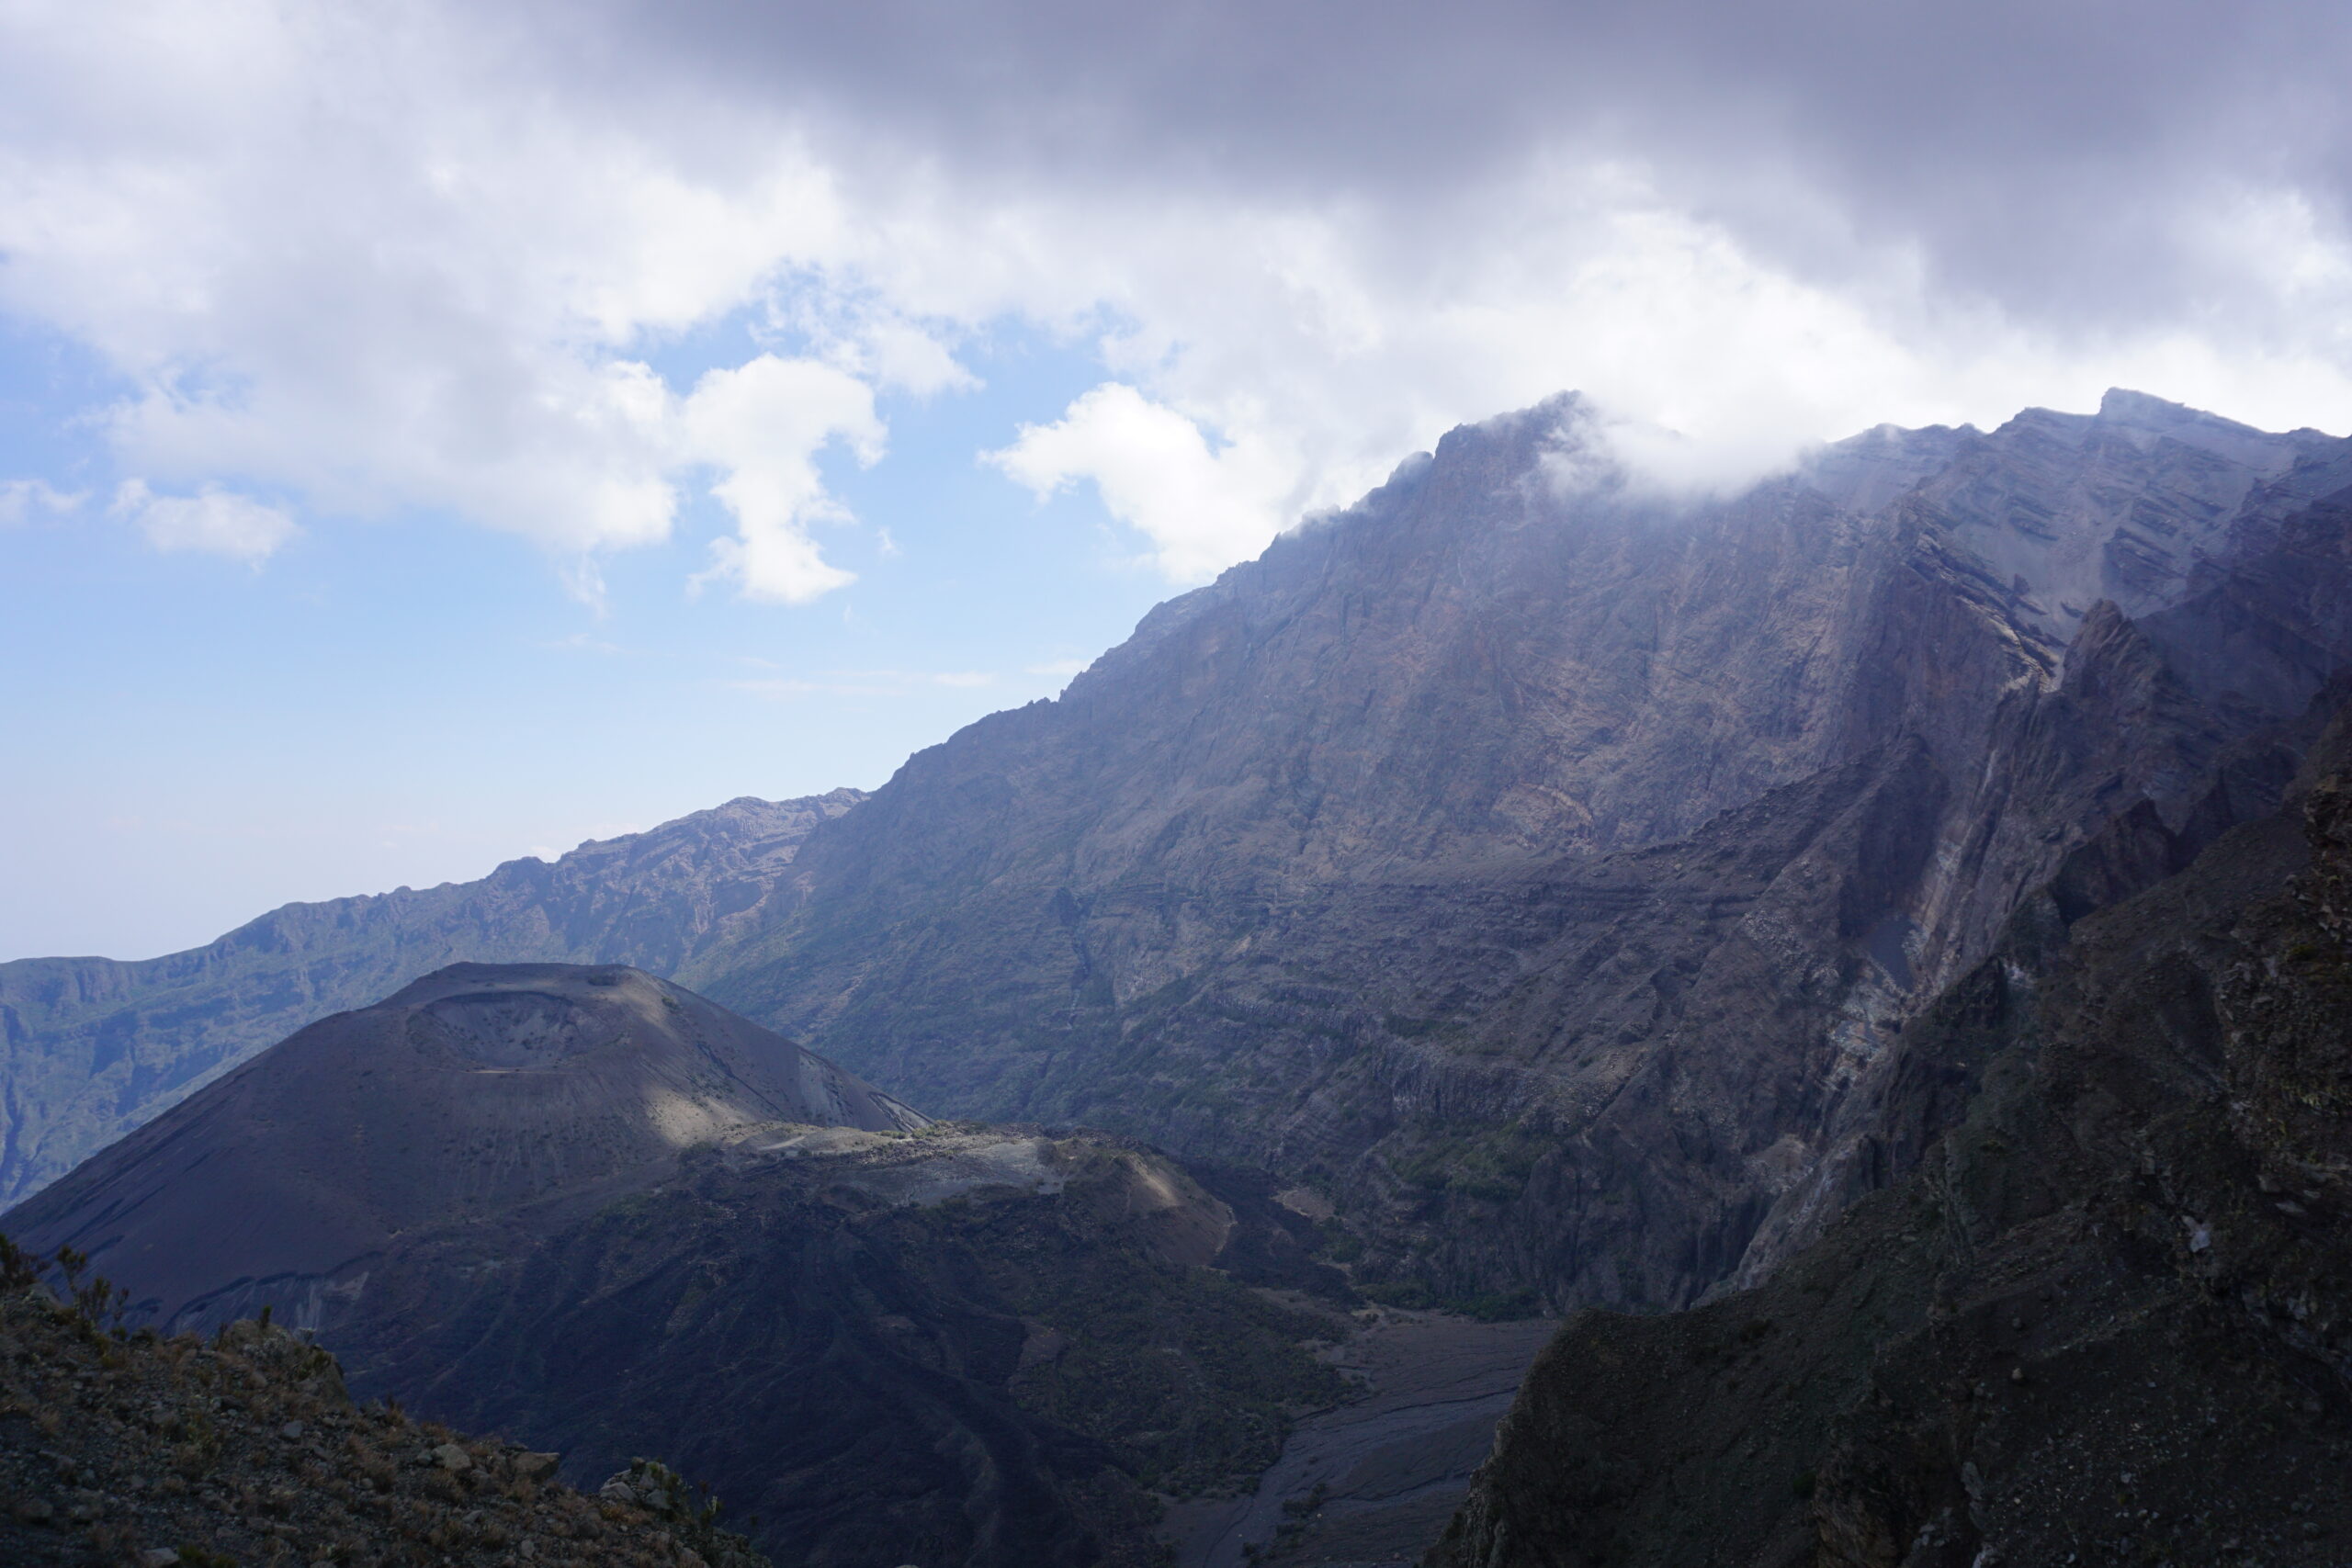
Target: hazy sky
[(434, 434)]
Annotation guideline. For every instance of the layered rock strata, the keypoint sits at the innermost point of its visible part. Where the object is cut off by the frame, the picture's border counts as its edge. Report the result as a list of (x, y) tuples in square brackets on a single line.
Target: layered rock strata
[(1543, 867), (2106, 1319)]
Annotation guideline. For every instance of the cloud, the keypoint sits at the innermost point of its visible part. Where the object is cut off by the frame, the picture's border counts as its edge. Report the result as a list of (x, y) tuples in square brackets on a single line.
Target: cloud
[(212, 521), (1203, 508), (2071, 162), (274, 227), (904, 356), (22, 500), (427, 257), (764, 423), (358, 258)]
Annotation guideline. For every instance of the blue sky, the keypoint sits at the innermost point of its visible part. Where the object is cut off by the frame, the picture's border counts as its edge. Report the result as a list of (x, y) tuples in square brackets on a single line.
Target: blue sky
[(432, 434), (414, 699)]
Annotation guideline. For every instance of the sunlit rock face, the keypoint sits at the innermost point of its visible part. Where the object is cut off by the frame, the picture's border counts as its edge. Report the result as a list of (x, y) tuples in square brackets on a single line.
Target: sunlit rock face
[(1542, 864), (476, 1090)]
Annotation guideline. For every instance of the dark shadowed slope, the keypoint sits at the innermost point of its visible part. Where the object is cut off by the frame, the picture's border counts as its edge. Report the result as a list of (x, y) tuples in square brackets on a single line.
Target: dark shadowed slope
[(973, 1348), (587, 1209), (248, 1449), (91, 1047), (477, 1089), (2105, 1322)]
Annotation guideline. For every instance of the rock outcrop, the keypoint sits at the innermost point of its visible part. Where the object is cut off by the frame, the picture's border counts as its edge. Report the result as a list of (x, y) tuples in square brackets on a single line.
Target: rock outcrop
[(2104, 1321), (139, 1449)]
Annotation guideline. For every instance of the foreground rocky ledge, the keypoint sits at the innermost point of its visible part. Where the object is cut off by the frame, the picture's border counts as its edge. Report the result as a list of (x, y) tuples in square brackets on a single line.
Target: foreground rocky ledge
[(142, 1451)]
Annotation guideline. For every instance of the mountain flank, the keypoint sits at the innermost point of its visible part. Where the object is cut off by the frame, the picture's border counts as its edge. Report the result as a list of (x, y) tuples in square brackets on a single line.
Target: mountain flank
[(1544, 869), (1539, 868), (2104, 1321)]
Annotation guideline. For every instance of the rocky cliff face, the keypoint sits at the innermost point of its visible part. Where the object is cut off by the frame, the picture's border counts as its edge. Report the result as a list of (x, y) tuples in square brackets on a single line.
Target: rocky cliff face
[(2104, 1321), (1541, 865), (1545, 868), (91, 1048)]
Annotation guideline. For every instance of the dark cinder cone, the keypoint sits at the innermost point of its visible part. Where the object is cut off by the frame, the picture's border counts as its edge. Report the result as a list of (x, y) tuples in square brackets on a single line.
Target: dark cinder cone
[(476, 1090)]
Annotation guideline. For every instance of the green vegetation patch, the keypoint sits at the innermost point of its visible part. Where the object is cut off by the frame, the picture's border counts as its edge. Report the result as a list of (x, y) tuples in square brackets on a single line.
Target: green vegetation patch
[(1192, 1377), (1490, 1165)]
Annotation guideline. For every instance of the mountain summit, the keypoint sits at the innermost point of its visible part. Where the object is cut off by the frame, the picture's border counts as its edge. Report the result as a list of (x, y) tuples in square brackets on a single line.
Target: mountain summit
[(1543, 866)]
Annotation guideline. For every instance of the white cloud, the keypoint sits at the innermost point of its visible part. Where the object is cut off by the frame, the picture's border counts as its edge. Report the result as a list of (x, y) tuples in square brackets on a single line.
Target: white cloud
[(905, 357), (426, 257), (764, 422), (215, 522), (1203, 508), (354, 256), (22, 500)]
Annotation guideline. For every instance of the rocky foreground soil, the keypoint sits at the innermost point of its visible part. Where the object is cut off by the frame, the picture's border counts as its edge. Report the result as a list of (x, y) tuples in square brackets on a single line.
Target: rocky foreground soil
[(139, 1451)]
